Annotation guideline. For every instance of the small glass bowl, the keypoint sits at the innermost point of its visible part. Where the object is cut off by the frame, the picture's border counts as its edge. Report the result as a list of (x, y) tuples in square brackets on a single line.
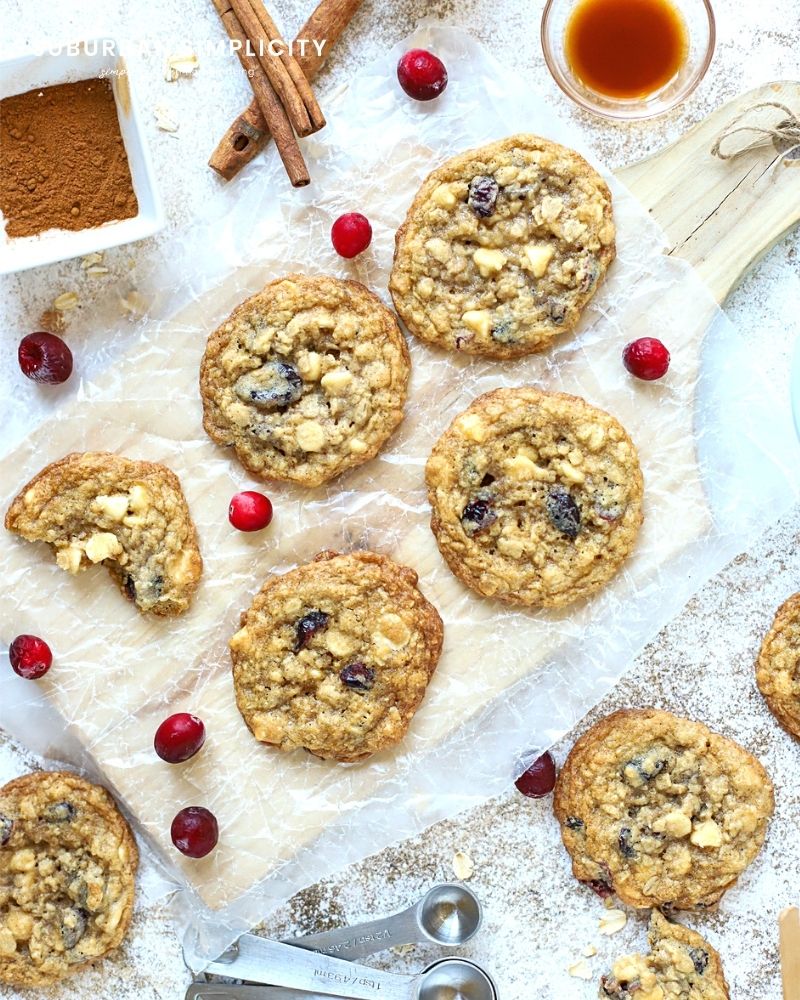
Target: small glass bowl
[(701, 35)]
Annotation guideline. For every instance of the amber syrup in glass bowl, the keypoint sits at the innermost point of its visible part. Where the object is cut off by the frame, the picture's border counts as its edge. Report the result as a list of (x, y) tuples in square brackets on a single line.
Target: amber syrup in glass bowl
[(626, 49)]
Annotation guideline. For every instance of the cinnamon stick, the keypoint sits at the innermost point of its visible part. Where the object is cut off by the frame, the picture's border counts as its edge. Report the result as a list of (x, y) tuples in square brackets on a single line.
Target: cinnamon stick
[(274, 68), (293, 68), (249, 133), (268, 102)]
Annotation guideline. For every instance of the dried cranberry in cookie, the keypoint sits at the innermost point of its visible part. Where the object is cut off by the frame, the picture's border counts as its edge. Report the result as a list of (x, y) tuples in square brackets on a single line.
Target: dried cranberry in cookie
[(335, 656), (67, 867), (502, 248), (661, 809), (131, 516), (536, 496), (306, 379)]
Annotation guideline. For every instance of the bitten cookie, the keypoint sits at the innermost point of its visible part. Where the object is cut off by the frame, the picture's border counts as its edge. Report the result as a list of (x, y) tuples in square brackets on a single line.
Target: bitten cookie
[(660, 810), (67, 867), (778, 666), (131, 516), (681, 966), (502, 248), (536, 496), (336, 656), (305, 379)]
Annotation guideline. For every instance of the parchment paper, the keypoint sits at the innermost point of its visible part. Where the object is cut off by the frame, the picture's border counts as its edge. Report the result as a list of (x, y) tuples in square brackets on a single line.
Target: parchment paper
[(716, 464)]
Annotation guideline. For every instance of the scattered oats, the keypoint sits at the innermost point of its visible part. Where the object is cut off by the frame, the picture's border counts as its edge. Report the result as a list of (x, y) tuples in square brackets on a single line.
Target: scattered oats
[(589, 951), (403, 949), (463, 866), (95, 270), (53, 321), (164, 118), (90, 259), (580, 970), (65, 302), (613, 921), (180, 64), (133, 304)]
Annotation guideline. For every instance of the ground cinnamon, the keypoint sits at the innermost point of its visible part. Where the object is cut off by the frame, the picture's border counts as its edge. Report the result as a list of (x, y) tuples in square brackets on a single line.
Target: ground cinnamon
[(62, 160)]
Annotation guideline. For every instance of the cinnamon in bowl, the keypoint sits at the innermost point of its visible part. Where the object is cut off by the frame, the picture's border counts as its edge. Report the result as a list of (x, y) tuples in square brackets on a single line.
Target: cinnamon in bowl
[(63, 163)]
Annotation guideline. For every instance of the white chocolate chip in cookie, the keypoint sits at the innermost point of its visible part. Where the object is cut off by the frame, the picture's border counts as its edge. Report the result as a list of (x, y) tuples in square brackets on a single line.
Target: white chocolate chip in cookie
[(536, 257), (393, 630), (472, 427), (444, 196), (338, 643), (309, 365), (114, 506), (551, 208), (424, 288), (69, 558), (311, 436), (8, 943), (102, 545), (358, 447), (438, 249), (138, 498), (675, 823), (706, 834), (521, 467), (336, 381), (489, 262), (478, 320)]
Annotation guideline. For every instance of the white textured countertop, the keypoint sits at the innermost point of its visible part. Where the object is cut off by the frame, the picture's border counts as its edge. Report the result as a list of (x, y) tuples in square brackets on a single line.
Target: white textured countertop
[(538, 919)]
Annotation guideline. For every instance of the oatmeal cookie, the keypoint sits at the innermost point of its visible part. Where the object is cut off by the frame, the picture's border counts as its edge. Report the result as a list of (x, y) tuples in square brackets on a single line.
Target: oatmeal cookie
[(536, 496), (131, 516), (502, 248), (67, 867), (778, 666), (660, 810), (681, 966), (305, 379), (336, 656)]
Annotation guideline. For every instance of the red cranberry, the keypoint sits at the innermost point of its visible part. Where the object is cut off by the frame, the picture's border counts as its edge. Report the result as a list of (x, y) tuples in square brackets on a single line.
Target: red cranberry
[(30, 657), (540, 778), (351, 234), (250, 511), (43, 357), (194, 831), (646, 358), (179, 737), (422, 75)]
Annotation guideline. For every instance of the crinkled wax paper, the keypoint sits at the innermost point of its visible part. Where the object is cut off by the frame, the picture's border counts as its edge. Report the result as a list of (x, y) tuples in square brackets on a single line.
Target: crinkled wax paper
[(716, 459)]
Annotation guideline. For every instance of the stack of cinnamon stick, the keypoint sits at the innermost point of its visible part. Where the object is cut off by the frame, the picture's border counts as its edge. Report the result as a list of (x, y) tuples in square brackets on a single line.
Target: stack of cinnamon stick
[(280, 86)]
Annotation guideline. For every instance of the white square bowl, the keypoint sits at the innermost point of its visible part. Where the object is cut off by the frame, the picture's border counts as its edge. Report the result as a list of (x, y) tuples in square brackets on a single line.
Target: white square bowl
[(68, 63)]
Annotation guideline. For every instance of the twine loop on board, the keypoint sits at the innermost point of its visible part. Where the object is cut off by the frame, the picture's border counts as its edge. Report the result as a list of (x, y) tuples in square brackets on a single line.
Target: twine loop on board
[(783, 136)]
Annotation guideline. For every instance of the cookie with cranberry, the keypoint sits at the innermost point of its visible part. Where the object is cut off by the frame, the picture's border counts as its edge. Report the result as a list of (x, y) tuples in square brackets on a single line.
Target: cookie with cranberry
[(67, 870), (681, 965), (661, 810), (130, 516), (778, 666), (306, 379), (502, 248), (336, 656), (536, 496)]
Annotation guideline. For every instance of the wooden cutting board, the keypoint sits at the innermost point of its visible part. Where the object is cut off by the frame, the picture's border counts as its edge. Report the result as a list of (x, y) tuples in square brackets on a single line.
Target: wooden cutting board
[(722, 216)]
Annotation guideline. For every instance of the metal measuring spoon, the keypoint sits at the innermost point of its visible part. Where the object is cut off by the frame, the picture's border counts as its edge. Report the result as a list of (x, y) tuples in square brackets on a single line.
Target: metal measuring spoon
[(259, 960), (448, 915)]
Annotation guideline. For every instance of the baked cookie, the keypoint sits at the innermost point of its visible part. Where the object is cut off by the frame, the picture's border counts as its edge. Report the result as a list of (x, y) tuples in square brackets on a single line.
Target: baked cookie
[(67, 866), (502, 248), (660, 810), (778, 666), (536, 496), (681, 966), (336, 656), (131, 516), (305, 379)]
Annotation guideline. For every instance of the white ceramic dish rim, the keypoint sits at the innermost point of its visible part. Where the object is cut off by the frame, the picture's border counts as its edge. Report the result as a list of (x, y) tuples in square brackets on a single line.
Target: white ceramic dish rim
[(102, 51)]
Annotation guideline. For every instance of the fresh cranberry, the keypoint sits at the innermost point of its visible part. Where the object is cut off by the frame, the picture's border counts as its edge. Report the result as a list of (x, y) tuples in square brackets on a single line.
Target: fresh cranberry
[(43, 357), (30, 657), (422, 75), (194, 831), (646, 358), (540, 778), (351, 234), (179, 737), (250, 511)]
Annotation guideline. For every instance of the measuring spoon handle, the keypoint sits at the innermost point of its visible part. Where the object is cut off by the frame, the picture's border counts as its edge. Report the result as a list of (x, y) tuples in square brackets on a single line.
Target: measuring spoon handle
[(220, 991), (359, 941), (263, 961)]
